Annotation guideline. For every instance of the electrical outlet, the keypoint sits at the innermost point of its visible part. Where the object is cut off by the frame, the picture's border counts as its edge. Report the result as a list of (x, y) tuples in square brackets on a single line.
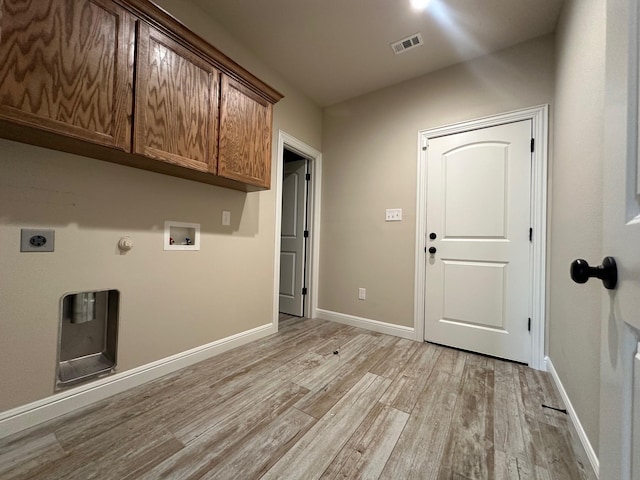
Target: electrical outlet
[(362, 293), (393, 215), (32, 240), (226, 218)]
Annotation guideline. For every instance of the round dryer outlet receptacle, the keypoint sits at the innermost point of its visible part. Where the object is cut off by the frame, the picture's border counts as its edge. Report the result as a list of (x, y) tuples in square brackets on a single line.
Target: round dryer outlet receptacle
[(38, 240)]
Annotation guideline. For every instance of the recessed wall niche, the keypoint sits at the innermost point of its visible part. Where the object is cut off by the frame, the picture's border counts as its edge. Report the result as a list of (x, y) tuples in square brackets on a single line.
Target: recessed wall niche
[(88, 338), (181, 236)]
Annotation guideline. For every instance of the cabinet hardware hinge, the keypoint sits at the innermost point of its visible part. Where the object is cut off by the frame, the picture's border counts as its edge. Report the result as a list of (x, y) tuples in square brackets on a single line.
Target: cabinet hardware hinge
[(307, 177), (531, 234), (533, 145), (304, 290), (529, 325), (306, 234)]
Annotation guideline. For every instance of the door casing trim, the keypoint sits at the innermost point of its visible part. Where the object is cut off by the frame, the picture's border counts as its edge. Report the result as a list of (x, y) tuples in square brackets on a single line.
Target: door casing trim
[(539, 116), (313, 215)]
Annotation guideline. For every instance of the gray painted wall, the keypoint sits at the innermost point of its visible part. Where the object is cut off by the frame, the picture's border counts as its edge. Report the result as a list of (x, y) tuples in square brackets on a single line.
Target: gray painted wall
[(576, 212), (170, 301), (369, 147)]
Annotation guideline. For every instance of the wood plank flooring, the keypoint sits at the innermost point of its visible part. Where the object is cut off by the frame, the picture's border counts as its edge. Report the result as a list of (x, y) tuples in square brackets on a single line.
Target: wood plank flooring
[(317, 400)]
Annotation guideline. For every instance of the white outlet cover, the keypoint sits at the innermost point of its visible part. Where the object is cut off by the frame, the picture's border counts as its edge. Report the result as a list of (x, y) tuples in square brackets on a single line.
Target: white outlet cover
[(393, 215), (226, 218)]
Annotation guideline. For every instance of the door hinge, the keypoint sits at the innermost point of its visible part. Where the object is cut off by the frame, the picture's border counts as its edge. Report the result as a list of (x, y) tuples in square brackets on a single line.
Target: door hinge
[(306, 234), (307, 177), (529, 325), (533, 145), (304, 290), (531, 234)]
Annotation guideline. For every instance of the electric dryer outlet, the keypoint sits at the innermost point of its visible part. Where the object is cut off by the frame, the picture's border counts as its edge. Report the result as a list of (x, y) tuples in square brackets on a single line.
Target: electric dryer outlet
[(37, 240)]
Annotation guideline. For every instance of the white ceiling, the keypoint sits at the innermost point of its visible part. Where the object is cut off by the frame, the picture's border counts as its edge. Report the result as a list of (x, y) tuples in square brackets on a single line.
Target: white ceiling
[(333, 50)]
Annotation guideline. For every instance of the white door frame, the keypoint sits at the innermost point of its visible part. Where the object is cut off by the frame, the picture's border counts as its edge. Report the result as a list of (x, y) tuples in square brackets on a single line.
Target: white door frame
[(313, 220), (539, 119)]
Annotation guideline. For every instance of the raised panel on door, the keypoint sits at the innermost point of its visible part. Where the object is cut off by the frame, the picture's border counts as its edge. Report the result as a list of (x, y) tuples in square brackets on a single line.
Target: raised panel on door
[(176, 103), (287, 275), (486, 307), (478, 205), (67, 67), (245, 135), (475, 191)]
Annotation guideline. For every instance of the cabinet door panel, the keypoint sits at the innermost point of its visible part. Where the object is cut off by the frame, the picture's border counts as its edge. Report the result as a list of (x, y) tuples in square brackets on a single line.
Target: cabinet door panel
[(176, 103), (67, 67), (245, 135)]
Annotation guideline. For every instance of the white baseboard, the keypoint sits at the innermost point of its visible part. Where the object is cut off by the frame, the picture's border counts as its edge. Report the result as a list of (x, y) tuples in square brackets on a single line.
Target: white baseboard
[(27, 416), (367, 324), (593, 458)]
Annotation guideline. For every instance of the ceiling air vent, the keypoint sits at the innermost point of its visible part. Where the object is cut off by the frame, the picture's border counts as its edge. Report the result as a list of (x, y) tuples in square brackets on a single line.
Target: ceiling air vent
[(408, 43)]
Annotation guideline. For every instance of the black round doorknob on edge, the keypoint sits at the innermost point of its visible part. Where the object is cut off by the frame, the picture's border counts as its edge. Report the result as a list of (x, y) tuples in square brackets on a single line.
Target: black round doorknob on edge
[(432, 250), (581, 271)]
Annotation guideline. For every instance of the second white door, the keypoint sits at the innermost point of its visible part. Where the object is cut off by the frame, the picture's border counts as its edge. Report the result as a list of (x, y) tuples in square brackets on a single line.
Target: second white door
[(293, 241), (478, 220)]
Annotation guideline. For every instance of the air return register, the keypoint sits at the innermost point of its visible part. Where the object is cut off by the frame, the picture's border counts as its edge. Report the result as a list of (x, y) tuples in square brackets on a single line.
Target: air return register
[(408, 43), (88, 336)]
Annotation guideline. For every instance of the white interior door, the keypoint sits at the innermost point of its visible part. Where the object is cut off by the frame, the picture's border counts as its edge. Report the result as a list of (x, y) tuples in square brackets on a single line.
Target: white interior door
[(478, 209), (292, 239), (620, 392)]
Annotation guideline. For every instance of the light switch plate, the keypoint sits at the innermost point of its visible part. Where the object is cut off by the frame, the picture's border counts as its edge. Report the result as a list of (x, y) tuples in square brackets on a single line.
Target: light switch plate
[(393, 215), (226, 218), (36, 240)]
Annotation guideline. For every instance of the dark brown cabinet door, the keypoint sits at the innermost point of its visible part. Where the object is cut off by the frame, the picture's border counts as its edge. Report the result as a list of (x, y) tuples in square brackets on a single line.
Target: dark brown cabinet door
[(176, 103), (67, 67), (245, 135)]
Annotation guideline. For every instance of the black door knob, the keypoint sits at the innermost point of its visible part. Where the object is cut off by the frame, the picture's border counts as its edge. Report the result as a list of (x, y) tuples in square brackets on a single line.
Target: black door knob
[(432, 236), (607, 272), (432, 250)]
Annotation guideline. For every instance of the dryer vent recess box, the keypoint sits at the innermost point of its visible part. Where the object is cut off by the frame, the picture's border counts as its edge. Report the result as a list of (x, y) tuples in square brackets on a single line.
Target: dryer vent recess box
[(181, 236)]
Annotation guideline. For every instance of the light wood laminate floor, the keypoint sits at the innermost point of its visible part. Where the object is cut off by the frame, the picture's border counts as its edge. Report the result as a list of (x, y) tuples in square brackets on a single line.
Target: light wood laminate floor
[(318, 400)]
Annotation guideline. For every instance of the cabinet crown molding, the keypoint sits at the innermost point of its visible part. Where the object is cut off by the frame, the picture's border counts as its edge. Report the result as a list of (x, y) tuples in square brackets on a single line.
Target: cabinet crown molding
[(164, 21)]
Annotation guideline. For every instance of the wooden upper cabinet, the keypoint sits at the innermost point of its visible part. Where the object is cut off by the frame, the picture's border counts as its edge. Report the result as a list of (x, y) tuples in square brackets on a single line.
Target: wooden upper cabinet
[(176, 109), (245, 135), (67, 67), (68, 71)]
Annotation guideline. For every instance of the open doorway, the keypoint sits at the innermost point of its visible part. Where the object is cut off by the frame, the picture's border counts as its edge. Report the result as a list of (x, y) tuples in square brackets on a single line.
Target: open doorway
[(298, 189)]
